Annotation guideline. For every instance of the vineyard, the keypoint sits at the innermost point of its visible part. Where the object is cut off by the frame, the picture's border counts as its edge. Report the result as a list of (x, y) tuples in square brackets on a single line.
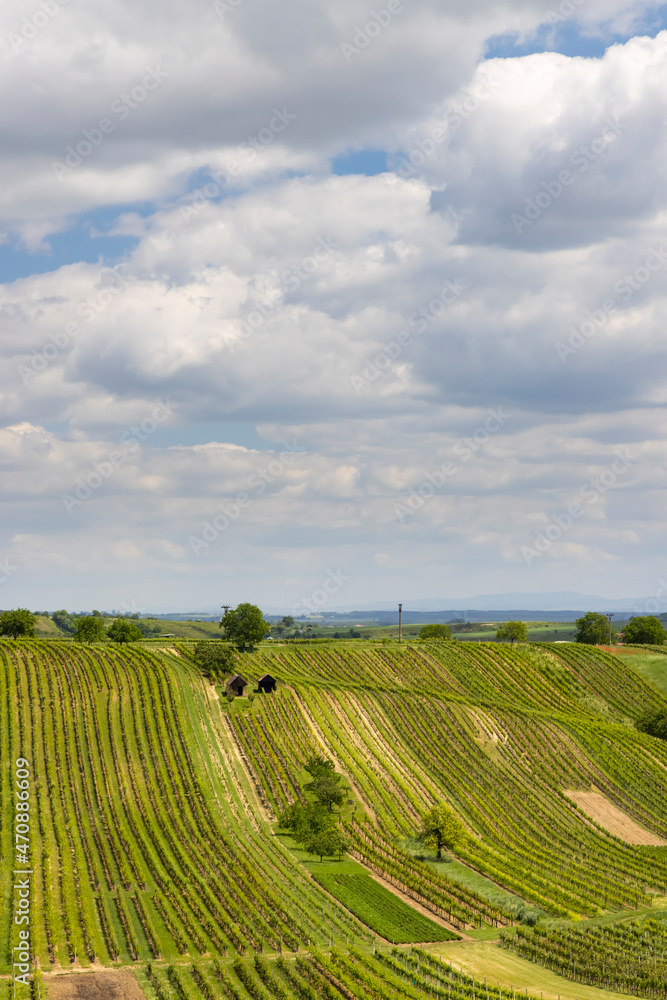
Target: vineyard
[(153, 808), (631, 957), (395, 975), (140, 835), (504, 769)]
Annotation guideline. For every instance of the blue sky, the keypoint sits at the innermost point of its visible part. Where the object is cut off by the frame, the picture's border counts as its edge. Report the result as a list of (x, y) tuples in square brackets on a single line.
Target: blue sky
[(308, 361)]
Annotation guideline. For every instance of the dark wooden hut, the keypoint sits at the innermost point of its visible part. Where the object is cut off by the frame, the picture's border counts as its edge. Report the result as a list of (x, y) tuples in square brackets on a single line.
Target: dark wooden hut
[(235, 685), (266, 684)]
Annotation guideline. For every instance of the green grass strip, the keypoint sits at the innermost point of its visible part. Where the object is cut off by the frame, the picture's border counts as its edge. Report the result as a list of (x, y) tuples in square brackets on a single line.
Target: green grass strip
[(381, 910)]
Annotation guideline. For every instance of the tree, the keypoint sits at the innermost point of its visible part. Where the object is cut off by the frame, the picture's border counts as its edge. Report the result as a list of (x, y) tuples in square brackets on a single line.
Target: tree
[(146, 626), (441, 827), (287, 621), (325, 784), (329, 841), (65, 622), (123, 630), (318, 765), (89, 629), (594, 629), (214, 659), (244, 625), (19, 623), (512, 631), (654, 723), (327, 790), (646, 630), (304, 820), (435, 632)]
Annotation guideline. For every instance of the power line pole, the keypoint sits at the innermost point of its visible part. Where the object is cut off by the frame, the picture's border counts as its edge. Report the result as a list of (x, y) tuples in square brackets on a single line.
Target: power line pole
[(610, 615), (400, 612), (225, 608)]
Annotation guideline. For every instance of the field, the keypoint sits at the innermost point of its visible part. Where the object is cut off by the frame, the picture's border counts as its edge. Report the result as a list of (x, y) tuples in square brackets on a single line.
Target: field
[(599, 955), (153, 804), (384, 913)]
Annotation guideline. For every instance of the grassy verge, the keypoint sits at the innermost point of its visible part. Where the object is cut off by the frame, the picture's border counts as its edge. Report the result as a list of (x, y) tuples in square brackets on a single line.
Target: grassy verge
[(487, 961), (456, 871), (652, 667)]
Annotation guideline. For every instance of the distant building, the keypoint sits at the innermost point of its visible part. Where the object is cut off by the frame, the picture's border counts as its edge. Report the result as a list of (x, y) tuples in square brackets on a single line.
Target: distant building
[(236, 685), (267, 684)]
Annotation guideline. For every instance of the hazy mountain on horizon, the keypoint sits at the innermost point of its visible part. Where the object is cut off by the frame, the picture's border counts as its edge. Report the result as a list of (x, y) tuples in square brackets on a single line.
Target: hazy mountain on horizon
[(564, 600)]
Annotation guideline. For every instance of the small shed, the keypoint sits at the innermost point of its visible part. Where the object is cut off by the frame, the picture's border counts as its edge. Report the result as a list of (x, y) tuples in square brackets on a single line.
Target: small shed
[(235, 685), (266, 684)]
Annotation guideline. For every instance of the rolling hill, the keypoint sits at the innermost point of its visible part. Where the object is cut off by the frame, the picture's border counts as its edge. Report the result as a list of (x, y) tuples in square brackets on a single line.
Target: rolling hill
[(151, 840)]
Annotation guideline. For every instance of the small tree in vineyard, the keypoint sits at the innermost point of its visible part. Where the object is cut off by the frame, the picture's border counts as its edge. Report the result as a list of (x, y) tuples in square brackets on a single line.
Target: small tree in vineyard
[(441, 827), (19, 624), (214, 659)]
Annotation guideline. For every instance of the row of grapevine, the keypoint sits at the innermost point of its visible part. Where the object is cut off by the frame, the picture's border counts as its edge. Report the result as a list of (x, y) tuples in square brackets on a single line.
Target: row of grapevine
[(405, 751), (538, 675), (410, 974), (136, 853), (630, 956)]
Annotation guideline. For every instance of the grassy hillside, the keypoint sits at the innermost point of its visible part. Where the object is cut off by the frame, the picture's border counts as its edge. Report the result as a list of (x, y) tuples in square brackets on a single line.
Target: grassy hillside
[(153, 804)]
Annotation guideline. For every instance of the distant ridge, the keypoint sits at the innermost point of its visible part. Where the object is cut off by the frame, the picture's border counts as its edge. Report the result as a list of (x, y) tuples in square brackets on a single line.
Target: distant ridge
[(565, 605)]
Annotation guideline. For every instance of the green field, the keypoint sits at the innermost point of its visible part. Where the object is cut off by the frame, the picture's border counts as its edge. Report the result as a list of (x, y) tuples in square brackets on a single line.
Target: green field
[(652, 666), (153, 803), (380, 910)]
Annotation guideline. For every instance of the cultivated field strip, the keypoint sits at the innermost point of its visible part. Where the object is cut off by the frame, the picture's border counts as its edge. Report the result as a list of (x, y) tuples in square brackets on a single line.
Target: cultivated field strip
[(410, 974), (134, 857), (504, 771)]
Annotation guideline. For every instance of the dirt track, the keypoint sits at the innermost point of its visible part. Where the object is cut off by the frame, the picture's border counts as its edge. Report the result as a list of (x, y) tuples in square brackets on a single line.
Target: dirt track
[(110, 985)]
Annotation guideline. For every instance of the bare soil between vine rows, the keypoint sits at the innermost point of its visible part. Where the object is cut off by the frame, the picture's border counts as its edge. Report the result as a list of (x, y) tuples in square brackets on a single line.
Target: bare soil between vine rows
[(595, 805), (95, 986)]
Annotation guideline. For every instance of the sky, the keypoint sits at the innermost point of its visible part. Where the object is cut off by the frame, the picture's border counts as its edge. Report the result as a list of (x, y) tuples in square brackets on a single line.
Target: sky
[(320, 303)]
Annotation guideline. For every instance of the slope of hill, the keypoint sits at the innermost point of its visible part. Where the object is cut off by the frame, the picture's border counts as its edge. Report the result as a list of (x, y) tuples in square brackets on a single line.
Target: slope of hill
[(151, 801)]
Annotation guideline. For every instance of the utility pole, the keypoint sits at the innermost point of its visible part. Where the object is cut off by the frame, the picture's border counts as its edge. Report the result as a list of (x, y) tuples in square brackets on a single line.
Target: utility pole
[(225, 608), (400, 612), (610, 615)]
